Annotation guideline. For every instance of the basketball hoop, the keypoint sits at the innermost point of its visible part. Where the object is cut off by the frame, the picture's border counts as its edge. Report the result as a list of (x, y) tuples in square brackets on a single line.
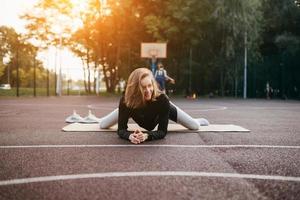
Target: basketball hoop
[(153, 51), (150, 50)]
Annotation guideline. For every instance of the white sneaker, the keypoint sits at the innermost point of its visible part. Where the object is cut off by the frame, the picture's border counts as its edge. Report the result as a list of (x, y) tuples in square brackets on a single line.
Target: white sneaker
[(90, 118), (74, 118), (203, 122)]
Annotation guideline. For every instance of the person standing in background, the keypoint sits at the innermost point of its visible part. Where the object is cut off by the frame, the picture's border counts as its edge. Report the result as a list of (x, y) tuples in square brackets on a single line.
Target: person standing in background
[(161, 77)]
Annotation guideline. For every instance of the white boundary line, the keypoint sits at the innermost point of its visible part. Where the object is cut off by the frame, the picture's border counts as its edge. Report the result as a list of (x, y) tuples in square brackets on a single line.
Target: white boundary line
[(102, 107), (186, 109), (113, 106), (149, 173), (207, 109), (145, 145), (46, 104)]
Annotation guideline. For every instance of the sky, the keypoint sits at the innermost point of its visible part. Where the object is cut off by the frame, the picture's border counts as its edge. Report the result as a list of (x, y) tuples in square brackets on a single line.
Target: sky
[(10, 10)]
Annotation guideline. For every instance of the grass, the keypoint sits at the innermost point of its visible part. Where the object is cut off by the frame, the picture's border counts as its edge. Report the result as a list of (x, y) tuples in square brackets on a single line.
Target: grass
[(26, 92), (43, 92)]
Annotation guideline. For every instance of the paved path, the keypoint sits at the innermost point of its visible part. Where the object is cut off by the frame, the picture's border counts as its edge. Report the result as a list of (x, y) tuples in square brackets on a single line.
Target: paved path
[(39, 161)]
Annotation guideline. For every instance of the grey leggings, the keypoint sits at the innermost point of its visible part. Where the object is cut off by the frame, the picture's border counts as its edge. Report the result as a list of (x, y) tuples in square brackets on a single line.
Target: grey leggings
[(175, 114)]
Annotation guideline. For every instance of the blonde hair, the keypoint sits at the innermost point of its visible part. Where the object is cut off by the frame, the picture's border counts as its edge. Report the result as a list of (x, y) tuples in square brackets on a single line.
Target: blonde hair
[(134, 97)]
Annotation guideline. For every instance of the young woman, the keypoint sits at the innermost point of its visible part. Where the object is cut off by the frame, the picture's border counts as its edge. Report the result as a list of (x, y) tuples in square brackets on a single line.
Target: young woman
[(148, 107)]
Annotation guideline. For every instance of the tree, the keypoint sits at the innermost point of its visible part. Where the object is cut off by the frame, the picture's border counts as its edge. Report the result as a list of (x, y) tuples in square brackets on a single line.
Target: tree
[(20, 53), (102, 40), (206, 40), (280, 48), (180, 24), (236, 19)]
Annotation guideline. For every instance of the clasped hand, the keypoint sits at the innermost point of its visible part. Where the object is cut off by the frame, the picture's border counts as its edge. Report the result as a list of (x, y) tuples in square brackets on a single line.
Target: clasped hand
[(138, 137)]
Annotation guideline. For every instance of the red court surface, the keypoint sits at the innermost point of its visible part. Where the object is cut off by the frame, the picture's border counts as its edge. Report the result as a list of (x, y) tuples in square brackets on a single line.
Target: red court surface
[(39, 161)]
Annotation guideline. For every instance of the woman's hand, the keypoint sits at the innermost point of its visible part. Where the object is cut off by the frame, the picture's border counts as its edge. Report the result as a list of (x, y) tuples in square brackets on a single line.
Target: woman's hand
[(138, 136), (133, 138)]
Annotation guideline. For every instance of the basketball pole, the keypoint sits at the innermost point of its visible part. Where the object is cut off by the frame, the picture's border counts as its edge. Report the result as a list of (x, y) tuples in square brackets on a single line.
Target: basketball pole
[(153, 64)]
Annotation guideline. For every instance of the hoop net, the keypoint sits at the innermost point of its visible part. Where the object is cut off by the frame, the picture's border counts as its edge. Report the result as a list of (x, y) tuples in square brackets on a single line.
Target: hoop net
[(153, 53)]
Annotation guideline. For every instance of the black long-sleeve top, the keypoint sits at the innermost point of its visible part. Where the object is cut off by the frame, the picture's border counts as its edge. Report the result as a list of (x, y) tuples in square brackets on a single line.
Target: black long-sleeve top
[(148, 116)]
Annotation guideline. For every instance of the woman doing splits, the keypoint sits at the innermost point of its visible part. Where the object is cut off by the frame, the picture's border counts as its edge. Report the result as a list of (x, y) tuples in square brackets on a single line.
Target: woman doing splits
[(147, 106)]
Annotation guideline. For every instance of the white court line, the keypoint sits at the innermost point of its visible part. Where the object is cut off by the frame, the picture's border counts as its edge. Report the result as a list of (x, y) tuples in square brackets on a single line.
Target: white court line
[(147, 173), (186, 109), (111, 108), (208, 109), (146, 145), (28, 104)]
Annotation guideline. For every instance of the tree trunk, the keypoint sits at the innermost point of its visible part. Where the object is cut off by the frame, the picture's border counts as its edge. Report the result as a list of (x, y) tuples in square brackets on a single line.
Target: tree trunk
[(222, 79), (88, 71), (235, 80), (84, 75), (245, 68), (95, 78)]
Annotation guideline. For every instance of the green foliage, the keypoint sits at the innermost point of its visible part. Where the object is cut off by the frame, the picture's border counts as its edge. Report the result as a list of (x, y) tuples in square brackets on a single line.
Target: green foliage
[(2, 69), (206, 42), (280, 47), (21, 55)]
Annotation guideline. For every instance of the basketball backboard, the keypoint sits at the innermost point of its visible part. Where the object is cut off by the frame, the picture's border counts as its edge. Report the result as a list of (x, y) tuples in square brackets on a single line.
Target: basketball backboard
[(156, 50)]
